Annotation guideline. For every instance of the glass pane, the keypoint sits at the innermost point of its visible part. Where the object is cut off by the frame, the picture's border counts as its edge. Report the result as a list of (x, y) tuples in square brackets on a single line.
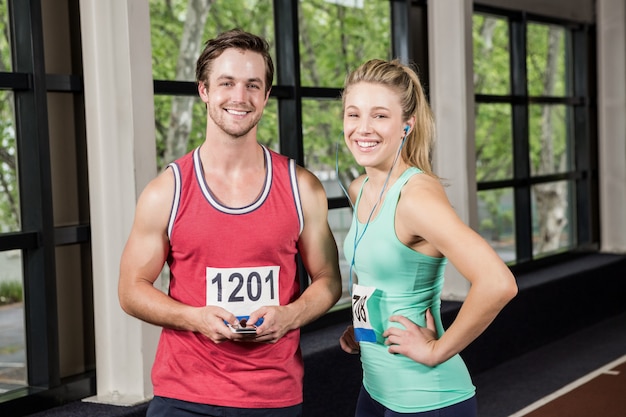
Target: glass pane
[(338, 35), (550, 149), (496, 217), (179, 33), (9, 192), (324, 147), (178, 36), (12, 336), (553, 221), (339, 220), (491, 55), (180, 125), (267, 133), (545, 60), (326, 155), (75, 329), (494, 142), (5, 42)]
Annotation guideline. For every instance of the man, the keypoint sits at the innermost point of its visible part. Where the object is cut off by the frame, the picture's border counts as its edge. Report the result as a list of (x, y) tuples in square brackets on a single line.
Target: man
[(229, 219)]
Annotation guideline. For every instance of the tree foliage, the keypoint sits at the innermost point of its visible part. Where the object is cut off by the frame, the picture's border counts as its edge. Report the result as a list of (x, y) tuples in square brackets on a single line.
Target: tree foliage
[(334, 39), (9, 193), (332, 42)]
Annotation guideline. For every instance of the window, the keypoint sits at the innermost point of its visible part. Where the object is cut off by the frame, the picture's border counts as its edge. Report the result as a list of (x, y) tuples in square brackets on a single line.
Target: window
[(12, 333), (332, 43), (12, 371), (303, 118), (178, 36), (46, 335), (534, 135)]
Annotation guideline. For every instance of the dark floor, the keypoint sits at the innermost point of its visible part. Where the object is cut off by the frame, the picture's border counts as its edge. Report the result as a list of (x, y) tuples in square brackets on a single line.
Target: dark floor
[(515, 384), (501, 390)]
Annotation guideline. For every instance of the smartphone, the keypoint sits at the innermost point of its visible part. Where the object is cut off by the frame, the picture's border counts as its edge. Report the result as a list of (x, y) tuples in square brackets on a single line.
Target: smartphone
[(249, 329)]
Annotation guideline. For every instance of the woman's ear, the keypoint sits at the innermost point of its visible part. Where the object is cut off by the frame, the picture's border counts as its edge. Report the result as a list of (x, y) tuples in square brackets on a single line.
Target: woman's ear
[(408, 125)]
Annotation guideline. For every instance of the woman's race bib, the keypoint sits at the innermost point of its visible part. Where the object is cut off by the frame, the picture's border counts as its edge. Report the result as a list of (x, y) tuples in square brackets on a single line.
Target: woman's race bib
[(363, 331)]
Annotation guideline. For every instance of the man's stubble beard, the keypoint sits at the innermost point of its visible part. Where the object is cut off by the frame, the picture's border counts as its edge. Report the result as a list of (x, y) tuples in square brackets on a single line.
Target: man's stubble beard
[(233, 129)]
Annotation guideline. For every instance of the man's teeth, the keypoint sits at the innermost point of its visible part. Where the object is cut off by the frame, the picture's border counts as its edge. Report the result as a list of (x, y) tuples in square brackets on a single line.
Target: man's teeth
[(237, 112)]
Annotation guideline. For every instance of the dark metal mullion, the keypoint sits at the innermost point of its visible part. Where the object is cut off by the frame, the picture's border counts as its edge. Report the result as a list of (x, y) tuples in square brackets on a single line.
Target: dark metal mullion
[(189, 88), (71, 235), (515, 99), (40, 305), (338, 202), (288, 74), (521, 147), (584, 157), (525, 182), (14, 81), (18, 240), (510, 99), (321, 92), (400, 39), (64, 83)]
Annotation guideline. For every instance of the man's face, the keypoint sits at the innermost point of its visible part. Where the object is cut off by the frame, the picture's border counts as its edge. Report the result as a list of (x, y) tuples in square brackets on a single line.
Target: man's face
[(235, 95)]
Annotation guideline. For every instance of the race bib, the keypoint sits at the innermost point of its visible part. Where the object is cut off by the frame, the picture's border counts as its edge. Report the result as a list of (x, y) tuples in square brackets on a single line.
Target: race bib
[(363, 331), (242, 290)]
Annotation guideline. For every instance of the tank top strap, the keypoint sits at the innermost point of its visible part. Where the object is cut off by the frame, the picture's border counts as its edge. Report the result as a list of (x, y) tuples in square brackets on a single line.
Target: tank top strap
[(358, 197), (394, 192)]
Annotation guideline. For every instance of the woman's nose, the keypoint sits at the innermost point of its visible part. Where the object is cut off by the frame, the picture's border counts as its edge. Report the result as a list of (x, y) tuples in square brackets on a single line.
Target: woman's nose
[(363, 126)]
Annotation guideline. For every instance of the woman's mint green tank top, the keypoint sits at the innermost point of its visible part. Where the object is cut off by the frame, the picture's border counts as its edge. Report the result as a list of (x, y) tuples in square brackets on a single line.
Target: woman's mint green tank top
[(407, 283)]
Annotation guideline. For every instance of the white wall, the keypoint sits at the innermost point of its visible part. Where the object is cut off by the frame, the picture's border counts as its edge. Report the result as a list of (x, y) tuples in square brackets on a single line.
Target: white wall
[(612, 123), (452, 101), (119, 111)]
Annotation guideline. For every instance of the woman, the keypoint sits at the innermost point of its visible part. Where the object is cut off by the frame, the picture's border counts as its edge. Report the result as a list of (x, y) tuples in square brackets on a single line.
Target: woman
[(403, 233)]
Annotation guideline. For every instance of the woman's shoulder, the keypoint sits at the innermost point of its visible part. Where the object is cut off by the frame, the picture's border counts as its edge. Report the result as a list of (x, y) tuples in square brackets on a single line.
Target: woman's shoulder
[(423, 190), (422, 180), (357, 183)]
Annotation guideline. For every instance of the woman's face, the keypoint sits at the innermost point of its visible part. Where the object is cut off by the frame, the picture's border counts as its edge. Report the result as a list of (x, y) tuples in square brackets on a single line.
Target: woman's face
[(372, 124)]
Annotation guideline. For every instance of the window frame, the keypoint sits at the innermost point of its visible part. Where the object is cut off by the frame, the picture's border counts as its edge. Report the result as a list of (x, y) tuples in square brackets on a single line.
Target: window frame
[(581, 101), (38, 237), (288, 89)]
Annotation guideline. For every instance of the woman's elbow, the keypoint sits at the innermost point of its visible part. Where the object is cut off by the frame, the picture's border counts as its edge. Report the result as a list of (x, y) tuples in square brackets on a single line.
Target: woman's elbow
[(508, 289)]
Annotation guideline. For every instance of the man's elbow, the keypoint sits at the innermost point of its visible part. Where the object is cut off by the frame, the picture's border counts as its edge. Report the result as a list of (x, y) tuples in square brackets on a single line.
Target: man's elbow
[(125, 299), (124, 303), (336, 290)]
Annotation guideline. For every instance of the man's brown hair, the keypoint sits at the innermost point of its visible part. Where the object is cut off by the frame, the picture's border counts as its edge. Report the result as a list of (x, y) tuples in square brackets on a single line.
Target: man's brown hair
[(238, 39)]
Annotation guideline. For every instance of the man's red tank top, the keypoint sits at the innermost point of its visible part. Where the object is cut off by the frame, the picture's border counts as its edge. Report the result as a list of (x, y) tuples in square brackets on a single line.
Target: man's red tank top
[(233, 257)]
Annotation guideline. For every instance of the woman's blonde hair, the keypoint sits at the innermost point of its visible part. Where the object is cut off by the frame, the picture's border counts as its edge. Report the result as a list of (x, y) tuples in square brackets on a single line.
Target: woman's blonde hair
[(402, 79)]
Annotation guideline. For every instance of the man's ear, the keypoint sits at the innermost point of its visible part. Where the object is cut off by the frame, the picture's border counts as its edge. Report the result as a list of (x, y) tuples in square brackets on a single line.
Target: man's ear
[(267, 95), (202, 91)]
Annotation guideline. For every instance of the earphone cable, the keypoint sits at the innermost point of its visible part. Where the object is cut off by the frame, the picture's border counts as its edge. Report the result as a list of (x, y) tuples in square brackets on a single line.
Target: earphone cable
[(357, 238)]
